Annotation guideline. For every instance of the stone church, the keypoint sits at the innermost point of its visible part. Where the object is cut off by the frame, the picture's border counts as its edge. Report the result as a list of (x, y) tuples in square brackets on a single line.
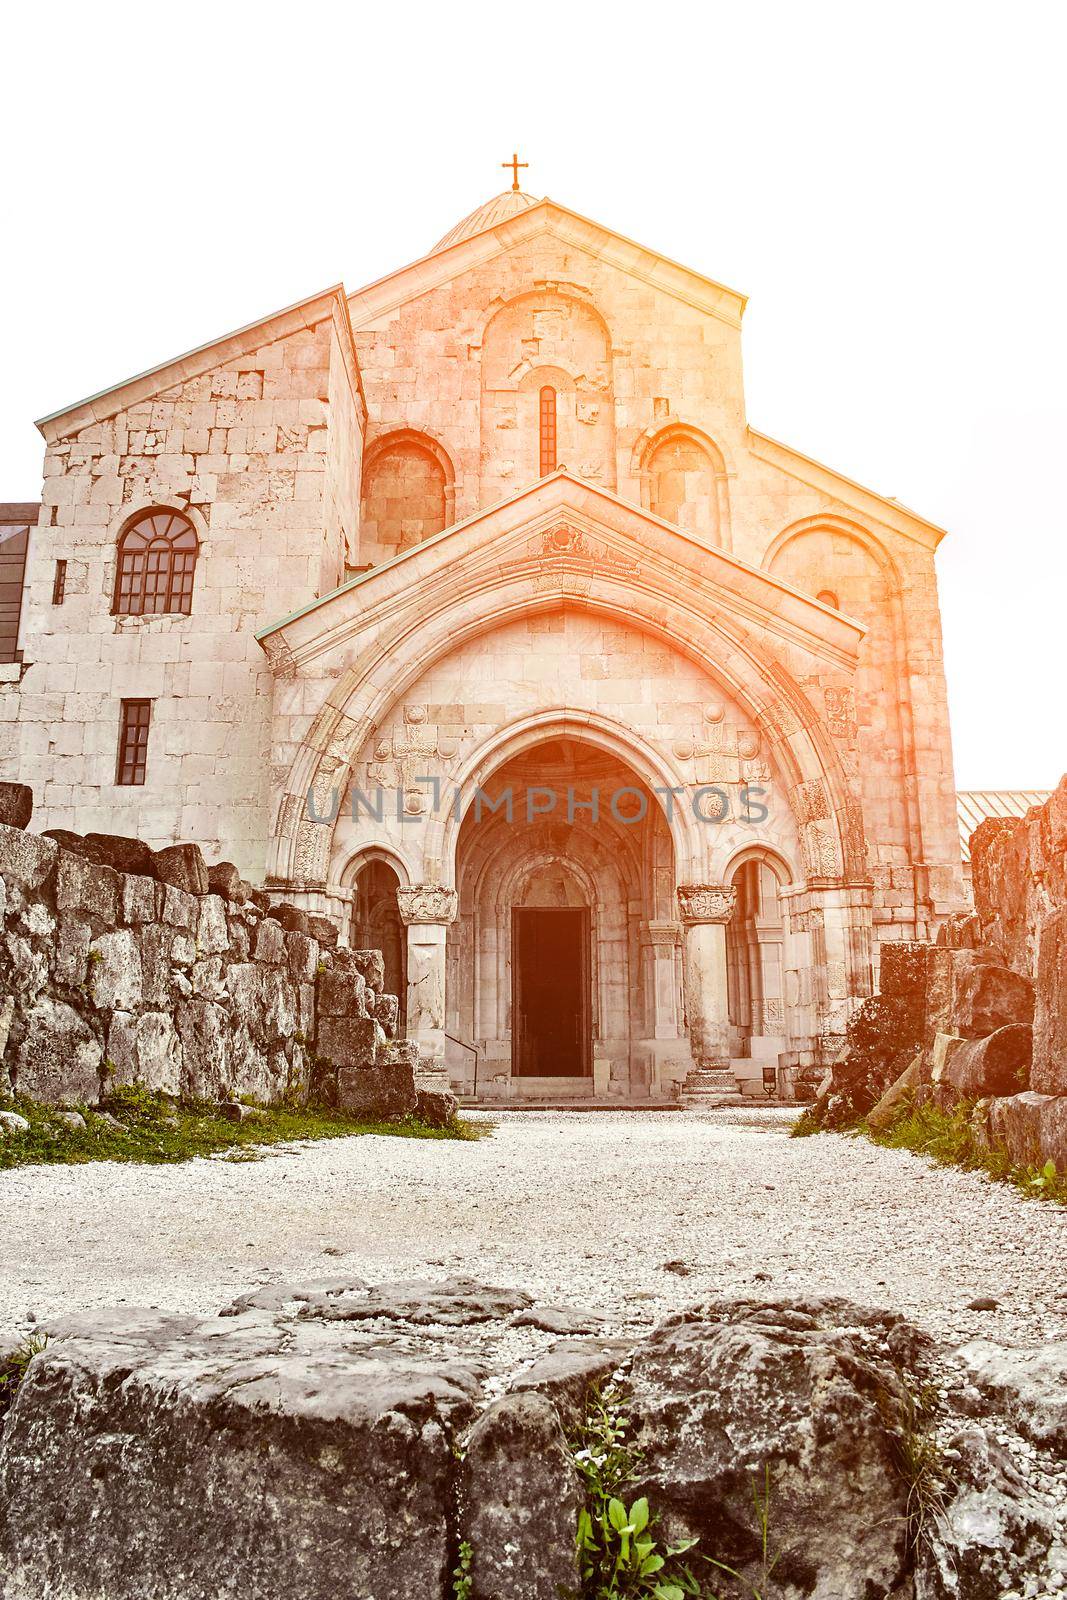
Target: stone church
[(469, 610)]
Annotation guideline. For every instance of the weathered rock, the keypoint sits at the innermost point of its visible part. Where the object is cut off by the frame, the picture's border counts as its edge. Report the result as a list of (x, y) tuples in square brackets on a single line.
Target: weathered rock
[(69, 1119), (127, 855), (268, 942), (453, 1302), (16, 805), (1025, 1125), (322, 929), (570, 1370), (996, 1065), (206, 1035), (83, 885), (1029, 1385), (559, 1319), (27, 859), (384, 1008), (379, 1093), (520, 1499), (145, 1049), (341, 994), (59, 1059), (115, 971), (1050, 1018), (962, 931), (212, 928), (988, 1531), (237, 1111), (12, 1122), (292, 919), (270, 1462), (138, 900), (224, 880), (350, 1041), (896, 1097), (371, 965), (183, 867), (989, 998), (436, 1107), (796, 1399)]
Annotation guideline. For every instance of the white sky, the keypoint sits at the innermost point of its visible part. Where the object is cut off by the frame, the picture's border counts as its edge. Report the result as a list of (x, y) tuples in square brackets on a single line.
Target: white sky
[(887, 185)]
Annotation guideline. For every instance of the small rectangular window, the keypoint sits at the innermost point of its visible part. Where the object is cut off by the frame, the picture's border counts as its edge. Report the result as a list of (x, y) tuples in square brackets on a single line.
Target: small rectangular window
[(59, 584), (133, 741)]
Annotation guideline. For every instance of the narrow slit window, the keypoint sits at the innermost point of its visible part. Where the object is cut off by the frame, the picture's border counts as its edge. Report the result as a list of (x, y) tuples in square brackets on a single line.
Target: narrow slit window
[(133, 741), (59, 584), (548, 431)]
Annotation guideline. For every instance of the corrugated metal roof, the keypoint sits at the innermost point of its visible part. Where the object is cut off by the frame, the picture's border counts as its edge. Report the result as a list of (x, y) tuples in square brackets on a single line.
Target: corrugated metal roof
[(975, 805)]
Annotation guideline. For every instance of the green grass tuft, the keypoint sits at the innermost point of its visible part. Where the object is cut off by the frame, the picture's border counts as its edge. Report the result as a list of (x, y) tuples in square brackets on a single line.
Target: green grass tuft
[(154, 1129), (949, 1138)]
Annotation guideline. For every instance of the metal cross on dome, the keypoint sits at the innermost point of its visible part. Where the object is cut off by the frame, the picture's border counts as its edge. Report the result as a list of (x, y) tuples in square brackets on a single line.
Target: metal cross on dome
[(515, 164)]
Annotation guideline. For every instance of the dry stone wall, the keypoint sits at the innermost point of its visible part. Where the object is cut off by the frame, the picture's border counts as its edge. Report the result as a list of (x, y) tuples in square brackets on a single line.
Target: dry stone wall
[(184, 980), (980, 1018)]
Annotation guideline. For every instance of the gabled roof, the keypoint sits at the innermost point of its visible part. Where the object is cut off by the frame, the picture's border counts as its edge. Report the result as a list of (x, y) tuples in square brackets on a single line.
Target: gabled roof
[(132, 391), (724, 581), (819, 476), (448, 260)]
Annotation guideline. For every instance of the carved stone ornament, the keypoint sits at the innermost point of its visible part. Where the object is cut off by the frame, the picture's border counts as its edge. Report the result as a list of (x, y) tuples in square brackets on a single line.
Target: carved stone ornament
[(706, 902), (427, 902)]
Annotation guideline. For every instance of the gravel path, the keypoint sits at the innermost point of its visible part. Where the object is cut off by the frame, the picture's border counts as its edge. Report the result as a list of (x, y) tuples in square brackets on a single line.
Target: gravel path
[(582, 1208)]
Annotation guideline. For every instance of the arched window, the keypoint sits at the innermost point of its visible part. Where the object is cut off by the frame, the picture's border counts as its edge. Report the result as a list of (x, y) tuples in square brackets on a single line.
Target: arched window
[(548, 431), (828, 598), (157, 558)]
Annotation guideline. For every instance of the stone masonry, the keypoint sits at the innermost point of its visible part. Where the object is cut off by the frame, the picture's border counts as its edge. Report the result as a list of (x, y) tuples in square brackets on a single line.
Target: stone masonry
[(182, 981)]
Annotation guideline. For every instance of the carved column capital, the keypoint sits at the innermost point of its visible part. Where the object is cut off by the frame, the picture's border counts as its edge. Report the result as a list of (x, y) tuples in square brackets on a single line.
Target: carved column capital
[(427, 902), (706, 902)]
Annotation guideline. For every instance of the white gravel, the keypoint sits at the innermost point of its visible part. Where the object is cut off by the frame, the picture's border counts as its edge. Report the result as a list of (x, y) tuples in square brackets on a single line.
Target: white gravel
[(581, 1208)]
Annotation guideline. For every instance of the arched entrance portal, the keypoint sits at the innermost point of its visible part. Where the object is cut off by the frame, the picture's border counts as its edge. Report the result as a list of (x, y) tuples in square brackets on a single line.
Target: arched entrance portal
[(564, 963)]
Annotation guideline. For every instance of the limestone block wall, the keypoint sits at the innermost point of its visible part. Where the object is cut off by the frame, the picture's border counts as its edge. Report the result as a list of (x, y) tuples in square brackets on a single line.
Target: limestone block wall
[(112, 978), (261, 450), (651, 406)]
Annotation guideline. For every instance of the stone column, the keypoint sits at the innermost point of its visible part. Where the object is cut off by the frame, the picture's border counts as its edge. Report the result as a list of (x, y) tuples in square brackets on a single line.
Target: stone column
[(426, 910), (706, 909)]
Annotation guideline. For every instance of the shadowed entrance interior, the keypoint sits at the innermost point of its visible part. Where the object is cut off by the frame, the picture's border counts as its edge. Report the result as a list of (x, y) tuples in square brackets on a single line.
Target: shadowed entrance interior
[(550, 973)]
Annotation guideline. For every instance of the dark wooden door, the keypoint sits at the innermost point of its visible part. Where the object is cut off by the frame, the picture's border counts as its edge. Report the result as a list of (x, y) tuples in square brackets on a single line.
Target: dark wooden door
[(551, 1026)]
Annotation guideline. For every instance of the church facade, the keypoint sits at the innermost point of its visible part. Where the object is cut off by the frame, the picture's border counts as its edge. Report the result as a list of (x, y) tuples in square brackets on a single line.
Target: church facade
[(468, 610)]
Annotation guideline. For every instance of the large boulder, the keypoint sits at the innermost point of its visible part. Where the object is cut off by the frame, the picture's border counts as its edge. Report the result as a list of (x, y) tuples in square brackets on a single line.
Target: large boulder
[(990, 997), (1050, 1020), (377, 1093), (26, 859), (996, 1065), (1031, 1128), (183, 867), (186, 1459), (801, 1404), (519, 1502), (59, 1059), (987, 1531), (16, 805), (1030, 1385)]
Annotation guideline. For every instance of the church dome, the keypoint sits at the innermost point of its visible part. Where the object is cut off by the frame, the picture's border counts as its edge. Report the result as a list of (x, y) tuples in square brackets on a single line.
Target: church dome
[(509, 203)]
